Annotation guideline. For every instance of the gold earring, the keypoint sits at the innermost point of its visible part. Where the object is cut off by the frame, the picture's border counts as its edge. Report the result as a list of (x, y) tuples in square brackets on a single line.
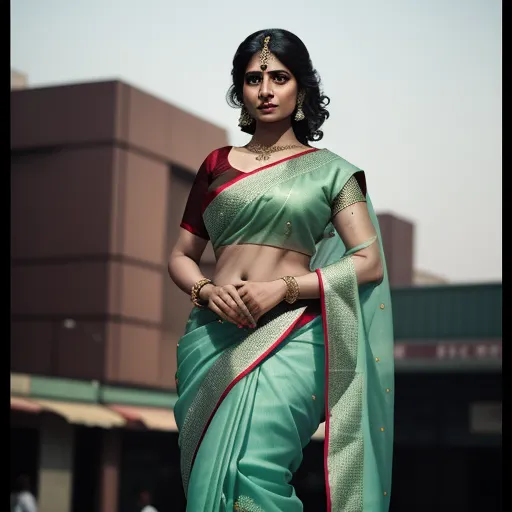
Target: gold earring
[(245, 118), (299, 115)]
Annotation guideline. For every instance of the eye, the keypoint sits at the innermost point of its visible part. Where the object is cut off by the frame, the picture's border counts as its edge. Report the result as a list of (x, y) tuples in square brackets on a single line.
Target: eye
[(252, 79), (280, 79)]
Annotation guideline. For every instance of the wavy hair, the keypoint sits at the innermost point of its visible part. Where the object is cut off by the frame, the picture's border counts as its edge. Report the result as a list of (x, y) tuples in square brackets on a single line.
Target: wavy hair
[(292, 52)]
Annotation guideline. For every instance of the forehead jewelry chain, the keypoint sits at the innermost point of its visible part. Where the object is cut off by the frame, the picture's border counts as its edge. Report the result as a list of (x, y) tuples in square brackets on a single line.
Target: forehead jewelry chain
[(265, 54), (264, 152)]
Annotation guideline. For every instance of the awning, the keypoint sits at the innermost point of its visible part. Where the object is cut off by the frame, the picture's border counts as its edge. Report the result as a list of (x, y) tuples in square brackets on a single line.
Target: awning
[(104, 416), (152, 418), (21, 404), (85, 414), (20, 384)]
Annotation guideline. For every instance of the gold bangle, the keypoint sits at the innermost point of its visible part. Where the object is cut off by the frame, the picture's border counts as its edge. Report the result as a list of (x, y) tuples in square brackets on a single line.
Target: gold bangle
[(292, 292), (194, 294)]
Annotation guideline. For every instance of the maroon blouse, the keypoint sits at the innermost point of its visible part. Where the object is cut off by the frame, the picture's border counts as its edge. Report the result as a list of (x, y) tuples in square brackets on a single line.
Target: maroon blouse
[(214, 171)]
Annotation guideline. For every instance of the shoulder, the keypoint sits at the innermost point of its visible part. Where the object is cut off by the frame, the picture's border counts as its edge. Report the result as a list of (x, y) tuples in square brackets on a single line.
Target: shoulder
[(336, 173), (25, 496), (27, 499), (334, 169), (340, 163), (216, 157)]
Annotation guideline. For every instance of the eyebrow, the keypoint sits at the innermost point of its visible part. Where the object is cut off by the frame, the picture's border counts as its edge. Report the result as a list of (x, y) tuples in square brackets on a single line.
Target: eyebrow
[(273, 71)]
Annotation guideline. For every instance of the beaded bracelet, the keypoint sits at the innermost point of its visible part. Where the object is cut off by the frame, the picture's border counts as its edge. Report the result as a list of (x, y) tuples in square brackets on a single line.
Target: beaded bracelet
[(292, 292), (194, 294)]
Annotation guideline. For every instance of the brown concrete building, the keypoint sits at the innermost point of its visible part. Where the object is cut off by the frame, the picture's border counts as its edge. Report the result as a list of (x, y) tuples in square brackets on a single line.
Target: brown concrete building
[(100, 174)]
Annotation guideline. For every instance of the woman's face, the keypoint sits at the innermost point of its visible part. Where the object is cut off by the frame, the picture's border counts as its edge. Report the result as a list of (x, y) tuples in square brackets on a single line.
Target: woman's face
[(269, 95)]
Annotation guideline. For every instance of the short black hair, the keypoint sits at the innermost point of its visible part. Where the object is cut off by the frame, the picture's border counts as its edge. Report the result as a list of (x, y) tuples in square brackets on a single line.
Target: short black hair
[(292, 52)]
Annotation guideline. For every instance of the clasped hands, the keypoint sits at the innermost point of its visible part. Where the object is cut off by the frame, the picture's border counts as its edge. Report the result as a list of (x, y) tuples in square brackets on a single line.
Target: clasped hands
[(244, 302)]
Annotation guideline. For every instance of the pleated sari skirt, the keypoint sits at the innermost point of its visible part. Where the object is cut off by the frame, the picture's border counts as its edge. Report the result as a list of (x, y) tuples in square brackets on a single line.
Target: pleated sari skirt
[(249, 402)]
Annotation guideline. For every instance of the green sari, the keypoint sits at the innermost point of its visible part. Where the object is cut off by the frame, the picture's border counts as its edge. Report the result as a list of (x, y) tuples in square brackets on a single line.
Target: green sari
[(250, 399)]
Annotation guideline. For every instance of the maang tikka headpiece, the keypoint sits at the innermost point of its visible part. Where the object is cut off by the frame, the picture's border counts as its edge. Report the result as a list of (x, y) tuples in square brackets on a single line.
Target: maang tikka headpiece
[(265, 54)]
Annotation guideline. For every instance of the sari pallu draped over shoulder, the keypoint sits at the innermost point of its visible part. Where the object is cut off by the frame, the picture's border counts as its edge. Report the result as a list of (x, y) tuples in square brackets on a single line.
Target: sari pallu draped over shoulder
[(288, 205)]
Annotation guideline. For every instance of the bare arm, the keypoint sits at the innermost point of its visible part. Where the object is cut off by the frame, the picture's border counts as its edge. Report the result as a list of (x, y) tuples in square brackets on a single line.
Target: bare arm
[(184, 270), (184, 260), (354, 226)]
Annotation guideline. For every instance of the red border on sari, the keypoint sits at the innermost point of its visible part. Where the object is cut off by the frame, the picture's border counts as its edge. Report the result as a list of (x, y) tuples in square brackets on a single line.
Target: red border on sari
[(326, 392), (214, 193), (240, 377)]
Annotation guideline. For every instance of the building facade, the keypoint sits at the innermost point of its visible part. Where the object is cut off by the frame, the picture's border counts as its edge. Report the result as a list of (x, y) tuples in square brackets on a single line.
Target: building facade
[(100, 173)]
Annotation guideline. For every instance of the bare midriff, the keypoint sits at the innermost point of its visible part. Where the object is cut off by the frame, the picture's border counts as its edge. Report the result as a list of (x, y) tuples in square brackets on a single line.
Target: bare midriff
[(257, 263)]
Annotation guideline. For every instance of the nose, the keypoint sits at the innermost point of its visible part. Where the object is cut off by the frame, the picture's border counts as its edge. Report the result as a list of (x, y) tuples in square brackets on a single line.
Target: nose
[(265, 92)]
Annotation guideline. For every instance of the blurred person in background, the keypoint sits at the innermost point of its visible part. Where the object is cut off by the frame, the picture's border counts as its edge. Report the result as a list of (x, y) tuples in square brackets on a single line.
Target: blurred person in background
[(295, 326), (22, 499), (144, 502)]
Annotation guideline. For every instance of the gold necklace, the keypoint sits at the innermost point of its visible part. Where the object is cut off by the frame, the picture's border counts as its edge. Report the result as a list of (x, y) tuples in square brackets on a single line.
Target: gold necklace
[(264, 152)]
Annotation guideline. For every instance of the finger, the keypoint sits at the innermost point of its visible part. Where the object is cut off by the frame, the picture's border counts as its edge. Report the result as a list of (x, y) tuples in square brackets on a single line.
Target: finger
[(231, 314), (246, 298), (245, 294), (233, 306), (230, 301), (219, 311), (241, 304), (252, 306)]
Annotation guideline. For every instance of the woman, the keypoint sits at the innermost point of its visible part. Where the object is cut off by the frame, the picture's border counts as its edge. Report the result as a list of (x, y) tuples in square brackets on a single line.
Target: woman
[(295, 327)]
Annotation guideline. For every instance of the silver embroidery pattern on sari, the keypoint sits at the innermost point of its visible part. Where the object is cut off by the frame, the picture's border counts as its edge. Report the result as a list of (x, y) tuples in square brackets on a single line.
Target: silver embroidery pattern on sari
[(233, 362)]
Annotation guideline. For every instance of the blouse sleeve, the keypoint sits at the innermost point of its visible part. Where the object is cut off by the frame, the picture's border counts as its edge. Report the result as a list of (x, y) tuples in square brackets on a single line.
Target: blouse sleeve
[(193, 215), (354, 191)]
